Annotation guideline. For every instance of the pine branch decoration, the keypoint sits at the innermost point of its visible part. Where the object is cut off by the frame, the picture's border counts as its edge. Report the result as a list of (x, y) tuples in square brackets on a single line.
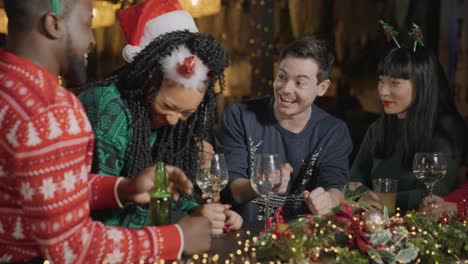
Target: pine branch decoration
[(389, 32), (416, 34)]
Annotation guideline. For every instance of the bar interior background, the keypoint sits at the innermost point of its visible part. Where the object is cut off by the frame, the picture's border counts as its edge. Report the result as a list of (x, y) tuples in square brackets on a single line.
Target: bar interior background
[(253, 31)]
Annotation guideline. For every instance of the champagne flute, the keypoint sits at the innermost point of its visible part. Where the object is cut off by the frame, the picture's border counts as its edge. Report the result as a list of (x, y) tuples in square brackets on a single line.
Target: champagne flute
[(266, 178), (212, 175), (430, 167)]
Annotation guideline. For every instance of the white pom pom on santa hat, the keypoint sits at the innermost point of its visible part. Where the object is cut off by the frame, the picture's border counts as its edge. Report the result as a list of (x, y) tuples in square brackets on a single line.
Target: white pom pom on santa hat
[(143, 22), (184, 67)]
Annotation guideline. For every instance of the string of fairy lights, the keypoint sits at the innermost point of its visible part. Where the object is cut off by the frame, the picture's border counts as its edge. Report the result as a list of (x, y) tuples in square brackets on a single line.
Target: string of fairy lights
[(246, 252), (261, 42), (247, 244)]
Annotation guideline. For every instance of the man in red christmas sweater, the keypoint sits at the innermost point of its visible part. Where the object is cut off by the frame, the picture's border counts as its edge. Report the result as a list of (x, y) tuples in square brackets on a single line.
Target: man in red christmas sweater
[(46, 146)]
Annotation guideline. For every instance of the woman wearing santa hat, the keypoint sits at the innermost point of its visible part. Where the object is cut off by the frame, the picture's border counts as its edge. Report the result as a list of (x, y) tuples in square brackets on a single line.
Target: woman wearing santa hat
[(159, 106)]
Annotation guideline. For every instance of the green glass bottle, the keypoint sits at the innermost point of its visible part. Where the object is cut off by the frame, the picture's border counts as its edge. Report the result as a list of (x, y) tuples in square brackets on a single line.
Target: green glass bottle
[(161, 202)]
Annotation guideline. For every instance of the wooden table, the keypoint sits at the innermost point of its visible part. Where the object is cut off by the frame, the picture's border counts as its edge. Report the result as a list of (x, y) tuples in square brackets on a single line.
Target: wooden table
[(230, 246)]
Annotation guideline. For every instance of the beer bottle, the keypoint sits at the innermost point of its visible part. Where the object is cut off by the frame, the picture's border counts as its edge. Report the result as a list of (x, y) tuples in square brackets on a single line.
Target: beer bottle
[(161, 203)]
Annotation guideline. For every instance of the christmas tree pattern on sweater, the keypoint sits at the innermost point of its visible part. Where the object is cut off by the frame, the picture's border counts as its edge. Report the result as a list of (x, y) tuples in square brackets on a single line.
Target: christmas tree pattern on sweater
[(46, 146)]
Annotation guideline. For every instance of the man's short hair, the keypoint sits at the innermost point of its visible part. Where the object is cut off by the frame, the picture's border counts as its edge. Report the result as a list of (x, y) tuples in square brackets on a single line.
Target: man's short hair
[(23, 14), (312, 47)]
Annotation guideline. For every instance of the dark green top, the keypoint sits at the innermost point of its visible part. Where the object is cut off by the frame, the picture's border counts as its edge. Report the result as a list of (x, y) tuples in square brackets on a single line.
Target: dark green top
[(111, 121), (410, 190)]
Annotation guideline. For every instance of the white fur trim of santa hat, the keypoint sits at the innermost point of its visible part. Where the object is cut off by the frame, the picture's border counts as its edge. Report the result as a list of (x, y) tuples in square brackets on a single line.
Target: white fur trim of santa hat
[(165, 23), (172, 62)]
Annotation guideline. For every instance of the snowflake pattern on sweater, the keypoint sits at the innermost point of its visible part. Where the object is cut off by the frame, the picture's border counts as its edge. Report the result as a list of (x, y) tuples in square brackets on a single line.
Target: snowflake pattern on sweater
[(47, 192)]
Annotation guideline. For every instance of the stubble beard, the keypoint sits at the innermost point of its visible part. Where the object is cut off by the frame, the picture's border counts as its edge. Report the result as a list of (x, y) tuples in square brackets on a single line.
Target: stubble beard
[(76, 74)]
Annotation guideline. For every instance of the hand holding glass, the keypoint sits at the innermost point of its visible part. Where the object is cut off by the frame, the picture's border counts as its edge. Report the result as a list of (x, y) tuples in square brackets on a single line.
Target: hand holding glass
[(430, 167), (386, 189), (212, 175), (266, 178)]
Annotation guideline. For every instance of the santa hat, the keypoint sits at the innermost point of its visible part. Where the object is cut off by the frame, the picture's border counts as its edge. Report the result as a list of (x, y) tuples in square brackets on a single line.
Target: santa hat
[(143, 22)]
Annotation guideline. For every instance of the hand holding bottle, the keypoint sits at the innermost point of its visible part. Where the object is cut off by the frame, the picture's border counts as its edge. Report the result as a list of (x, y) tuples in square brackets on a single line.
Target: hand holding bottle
[(177, 182), (160, 204), (138, 189)]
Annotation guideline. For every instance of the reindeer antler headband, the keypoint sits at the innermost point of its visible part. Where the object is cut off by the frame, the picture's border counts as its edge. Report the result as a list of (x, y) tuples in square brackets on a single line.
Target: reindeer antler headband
[(391, 34), (417, 36), (56, 7)]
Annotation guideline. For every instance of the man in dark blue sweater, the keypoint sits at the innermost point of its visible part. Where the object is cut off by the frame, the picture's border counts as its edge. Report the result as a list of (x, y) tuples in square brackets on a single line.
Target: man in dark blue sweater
[(312, 145)]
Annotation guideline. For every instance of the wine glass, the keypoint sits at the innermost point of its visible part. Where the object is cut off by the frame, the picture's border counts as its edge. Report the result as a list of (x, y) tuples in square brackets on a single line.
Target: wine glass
[(212, 175), (430, 167), (266, 178)]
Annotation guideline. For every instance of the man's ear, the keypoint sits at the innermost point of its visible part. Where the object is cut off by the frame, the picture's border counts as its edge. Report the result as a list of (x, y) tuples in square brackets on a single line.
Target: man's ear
[(323, 87), (54, 26)]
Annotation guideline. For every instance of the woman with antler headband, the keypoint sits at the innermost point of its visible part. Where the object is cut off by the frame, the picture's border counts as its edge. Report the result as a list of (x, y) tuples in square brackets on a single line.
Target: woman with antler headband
[(159, 106), (419, 116)]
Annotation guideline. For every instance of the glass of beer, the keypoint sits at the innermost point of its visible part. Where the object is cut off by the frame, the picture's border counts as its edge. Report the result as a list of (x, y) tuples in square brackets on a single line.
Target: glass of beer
[(386, 189)]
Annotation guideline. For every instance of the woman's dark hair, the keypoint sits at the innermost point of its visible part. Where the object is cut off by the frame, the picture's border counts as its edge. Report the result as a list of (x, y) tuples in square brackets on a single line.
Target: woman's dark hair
[(176, 145), (433, 97)]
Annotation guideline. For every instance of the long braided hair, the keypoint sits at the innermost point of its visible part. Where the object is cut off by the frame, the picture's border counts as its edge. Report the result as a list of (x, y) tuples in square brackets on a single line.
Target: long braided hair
[(176, 145)]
